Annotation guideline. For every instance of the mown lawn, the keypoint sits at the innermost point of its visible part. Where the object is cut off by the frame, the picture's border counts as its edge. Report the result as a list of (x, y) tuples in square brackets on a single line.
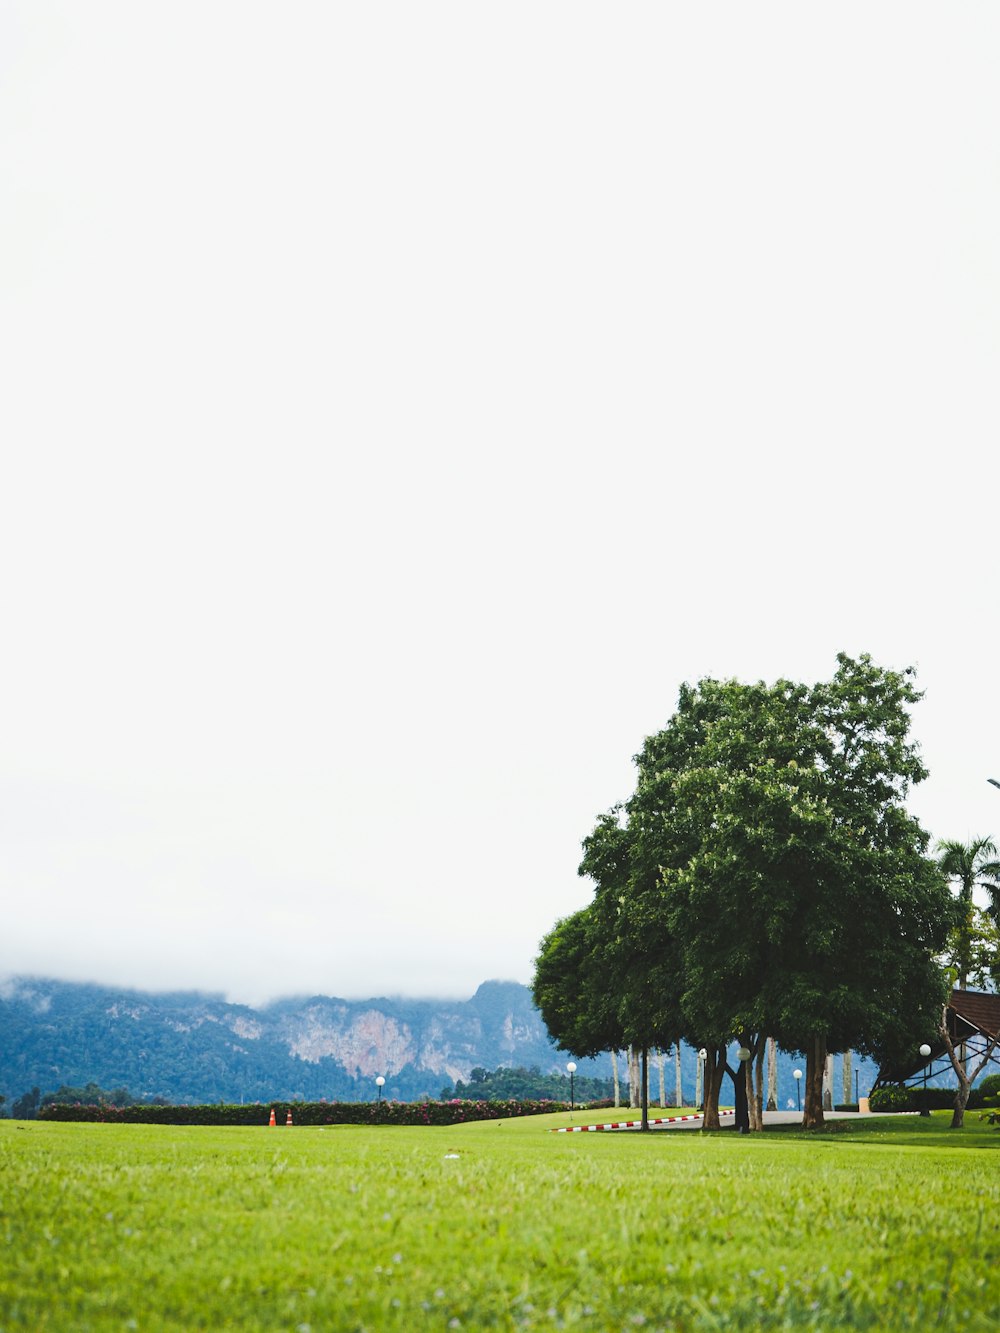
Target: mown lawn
[(881, 1224)]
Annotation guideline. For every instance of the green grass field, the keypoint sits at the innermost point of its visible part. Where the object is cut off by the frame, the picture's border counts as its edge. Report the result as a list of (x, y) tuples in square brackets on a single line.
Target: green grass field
[(890, 1223)]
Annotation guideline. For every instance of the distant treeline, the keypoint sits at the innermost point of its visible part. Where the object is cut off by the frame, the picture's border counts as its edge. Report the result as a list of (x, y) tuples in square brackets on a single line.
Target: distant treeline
[(30, 1104), (504, 1084)]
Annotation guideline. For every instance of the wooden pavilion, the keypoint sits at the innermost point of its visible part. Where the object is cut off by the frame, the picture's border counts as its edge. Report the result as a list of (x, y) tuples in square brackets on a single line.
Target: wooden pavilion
[(973, 1019)]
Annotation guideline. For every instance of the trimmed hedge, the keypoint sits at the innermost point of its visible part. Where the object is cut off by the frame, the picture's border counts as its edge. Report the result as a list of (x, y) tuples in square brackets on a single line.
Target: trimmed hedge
[(304, 1113), (898, 1098)]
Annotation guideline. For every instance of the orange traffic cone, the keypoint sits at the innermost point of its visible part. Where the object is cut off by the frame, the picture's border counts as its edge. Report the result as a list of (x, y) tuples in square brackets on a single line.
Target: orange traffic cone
[(272, 1120), (289, 1120)]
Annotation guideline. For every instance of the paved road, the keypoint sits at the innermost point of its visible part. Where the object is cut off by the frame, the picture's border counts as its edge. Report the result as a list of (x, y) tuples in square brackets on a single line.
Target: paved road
[(690, 1121), (770, 1118)]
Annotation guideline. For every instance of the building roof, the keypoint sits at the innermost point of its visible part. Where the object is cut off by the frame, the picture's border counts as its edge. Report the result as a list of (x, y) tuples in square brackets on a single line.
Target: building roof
[(973, 1019), (979, 1009)]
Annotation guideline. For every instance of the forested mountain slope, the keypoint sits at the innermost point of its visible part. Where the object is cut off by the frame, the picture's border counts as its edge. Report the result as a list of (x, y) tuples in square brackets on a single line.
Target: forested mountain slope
[(190, 1046)]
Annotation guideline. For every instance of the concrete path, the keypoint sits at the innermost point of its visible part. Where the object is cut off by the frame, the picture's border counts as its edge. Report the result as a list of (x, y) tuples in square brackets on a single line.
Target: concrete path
[(781, 1118), (631, 1121), (776, 1118)]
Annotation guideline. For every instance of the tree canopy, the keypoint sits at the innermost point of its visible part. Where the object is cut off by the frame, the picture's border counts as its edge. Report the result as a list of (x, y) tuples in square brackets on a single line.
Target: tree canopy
[(767, 878)]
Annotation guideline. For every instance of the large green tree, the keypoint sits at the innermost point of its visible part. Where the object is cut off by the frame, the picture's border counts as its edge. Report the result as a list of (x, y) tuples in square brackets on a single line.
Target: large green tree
[(772, 855)]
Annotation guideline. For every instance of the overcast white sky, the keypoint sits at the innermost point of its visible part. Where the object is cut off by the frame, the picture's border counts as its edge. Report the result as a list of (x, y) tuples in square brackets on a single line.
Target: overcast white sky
[(399, 401)]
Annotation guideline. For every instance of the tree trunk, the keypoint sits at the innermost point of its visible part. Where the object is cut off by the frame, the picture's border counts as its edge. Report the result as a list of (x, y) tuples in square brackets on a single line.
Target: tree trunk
[(828, 1084), (812, 1114), (772, 1074), (614, 1075), (961, 1099), (699, 1093), (678, 1089), (965, 1079), (961, 1073), (847, 1088), (740, 1098), (715, 1070), (757, 1103), (634, 1079), (663, 1083)]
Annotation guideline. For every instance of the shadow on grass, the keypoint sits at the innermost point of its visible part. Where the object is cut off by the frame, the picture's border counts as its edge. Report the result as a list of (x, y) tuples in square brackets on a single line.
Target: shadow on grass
[(903, 1131)]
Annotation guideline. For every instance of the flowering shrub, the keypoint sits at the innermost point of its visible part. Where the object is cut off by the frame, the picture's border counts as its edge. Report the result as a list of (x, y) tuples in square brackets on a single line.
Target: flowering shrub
[(305, 1113)]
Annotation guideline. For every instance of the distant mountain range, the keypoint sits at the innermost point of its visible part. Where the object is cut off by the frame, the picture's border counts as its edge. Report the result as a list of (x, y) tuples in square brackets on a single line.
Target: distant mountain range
[(193, 1047)]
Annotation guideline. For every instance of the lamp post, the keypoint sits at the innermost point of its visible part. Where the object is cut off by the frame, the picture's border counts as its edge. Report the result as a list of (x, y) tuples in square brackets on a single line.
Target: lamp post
[(797, 1075), (925, 1051), (571, 1070), (702, 1057), (380, 1084)]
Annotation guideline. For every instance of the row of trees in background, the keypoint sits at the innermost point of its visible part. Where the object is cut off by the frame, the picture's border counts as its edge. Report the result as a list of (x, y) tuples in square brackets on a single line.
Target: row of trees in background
[(503, 1084), (763, 880), (28, 1106)]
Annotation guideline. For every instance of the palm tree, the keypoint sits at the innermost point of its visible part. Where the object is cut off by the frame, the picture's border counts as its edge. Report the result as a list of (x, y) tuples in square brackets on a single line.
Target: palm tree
[(973, 865)]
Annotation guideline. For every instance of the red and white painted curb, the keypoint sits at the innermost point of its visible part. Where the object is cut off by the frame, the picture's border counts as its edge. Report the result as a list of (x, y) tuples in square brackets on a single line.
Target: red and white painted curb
[(631, 1124)]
